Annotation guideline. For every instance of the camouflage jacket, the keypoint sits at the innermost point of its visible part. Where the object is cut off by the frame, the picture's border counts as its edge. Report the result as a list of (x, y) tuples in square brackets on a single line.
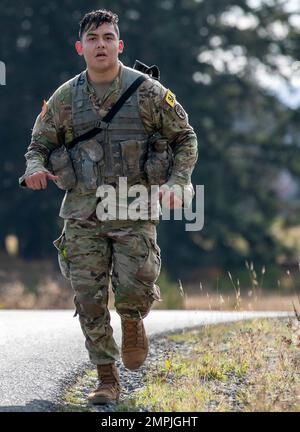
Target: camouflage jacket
[(53, 127)]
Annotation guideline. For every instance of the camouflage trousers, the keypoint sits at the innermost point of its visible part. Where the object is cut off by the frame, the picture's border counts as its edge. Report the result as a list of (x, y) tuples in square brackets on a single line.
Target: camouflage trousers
[(94, 256)]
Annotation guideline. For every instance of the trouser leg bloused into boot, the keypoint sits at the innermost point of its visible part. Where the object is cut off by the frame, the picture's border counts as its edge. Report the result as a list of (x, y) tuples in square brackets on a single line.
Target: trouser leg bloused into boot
[(136, 266)]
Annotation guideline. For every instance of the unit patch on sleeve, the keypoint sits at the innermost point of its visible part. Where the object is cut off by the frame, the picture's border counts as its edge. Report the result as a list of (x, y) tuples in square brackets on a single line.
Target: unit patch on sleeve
[(180, 111)]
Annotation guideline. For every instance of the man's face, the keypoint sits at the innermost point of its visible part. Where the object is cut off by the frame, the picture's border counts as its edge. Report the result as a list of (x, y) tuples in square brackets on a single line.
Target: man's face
[(100, 47)]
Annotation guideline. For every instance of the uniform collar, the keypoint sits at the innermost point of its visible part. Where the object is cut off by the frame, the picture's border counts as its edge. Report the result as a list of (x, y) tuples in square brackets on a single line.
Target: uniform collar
[(115, 86)]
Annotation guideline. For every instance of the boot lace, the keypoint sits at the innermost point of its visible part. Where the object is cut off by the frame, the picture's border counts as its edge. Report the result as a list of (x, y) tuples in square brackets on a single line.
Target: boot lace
[(133, 333), (107, 376)]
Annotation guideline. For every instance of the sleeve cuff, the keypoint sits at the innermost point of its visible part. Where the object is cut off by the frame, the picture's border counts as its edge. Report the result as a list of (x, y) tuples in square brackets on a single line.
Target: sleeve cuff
[(22, 183)]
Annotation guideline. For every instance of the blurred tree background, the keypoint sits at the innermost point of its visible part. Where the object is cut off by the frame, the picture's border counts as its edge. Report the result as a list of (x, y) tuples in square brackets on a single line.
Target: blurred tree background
[(217, 56)]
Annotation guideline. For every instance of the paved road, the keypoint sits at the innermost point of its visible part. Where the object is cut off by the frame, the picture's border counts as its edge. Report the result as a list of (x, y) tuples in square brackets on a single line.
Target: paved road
[(41, 351)]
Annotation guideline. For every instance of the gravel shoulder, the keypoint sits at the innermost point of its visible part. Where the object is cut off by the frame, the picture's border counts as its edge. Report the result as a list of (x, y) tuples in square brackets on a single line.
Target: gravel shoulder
[(74, 394), (243, 366)]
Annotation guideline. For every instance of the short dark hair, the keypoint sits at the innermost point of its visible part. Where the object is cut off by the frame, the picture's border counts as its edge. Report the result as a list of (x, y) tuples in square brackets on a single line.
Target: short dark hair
[(95, 18)]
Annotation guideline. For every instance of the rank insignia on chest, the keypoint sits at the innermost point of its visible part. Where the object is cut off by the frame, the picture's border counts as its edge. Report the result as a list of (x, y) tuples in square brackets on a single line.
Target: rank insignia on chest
[(170, 98)]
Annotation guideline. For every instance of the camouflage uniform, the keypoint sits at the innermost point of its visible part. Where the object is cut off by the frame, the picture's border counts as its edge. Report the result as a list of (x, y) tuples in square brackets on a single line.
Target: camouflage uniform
[(93, 254)]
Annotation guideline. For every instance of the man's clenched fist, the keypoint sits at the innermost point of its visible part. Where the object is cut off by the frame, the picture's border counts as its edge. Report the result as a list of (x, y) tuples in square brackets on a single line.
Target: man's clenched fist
[(38, 180)]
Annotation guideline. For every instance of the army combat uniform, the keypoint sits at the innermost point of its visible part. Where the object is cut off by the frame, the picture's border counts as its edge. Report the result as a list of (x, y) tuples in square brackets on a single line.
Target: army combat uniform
[(124, 253)]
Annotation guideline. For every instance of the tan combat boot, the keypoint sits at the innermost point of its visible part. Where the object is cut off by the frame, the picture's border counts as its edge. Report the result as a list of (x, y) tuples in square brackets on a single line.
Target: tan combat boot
[(134, 343), (109, 388)]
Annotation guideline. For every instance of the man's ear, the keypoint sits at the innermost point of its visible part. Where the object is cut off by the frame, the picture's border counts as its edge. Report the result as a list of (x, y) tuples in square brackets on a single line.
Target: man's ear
[(78, 47), (121, 46)]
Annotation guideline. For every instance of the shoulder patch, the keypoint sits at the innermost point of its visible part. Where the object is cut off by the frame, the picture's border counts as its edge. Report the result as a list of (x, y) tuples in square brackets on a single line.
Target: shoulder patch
[(44, 109), (180, 111), (170, 98)]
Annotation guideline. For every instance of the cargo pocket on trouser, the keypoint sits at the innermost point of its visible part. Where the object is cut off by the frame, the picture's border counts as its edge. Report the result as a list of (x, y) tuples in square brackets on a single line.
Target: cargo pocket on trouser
[(149, 270), (134, 155), (63, 261), (89, 309)]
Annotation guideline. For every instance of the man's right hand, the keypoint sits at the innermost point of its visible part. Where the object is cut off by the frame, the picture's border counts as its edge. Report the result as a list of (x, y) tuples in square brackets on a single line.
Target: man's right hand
[(38, 180)]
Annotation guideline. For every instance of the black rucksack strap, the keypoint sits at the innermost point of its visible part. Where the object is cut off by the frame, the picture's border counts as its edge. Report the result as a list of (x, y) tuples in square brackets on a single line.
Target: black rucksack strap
[(112, 112), (126, 95)]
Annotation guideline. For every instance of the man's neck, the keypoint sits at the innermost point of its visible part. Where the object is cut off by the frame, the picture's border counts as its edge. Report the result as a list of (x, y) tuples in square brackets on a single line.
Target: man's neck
[(103, 77)]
